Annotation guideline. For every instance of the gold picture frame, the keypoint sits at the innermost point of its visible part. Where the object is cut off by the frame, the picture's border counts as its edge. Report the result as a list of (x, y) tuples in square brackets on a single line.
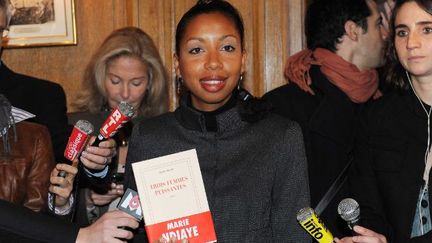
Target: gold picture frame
[(42, 23)]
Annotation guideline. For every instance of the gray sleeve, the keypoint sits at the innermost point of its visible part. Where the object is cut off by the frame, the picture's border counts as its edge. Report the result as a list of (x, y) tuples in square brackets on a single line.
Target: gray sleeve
[(291, 188)]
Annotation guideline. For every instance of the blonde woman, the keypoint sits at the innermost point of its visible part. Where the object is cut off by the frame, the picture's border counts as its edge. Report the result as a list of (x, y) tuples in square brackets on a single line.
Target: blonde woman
[(126, 67)]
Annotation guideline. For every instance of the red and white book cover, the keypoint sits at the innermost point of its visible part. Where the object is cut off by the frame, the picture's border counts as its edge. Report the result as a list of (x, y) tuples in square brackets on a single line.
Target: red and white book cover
[(173, 198)]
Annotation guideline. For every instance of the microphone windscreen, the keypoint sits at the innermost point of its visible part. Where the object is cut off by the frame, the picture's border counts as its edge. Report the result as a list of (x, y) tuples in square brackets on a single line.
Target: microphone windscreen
[(349, 210), (126, 109), (78, 139), (84, 126), (118, 116)]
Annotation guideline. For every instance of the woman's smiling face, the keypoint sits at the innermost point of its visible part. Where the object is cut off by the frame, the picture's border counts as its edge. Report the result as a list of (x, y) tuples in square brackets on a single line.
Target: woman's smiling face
[(210, 60)]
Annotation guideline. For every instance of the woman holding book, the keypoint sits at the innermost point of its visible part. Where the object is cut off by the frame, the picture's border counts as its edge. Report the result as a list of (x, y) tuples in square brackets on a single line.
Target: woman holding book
[(253, 164)]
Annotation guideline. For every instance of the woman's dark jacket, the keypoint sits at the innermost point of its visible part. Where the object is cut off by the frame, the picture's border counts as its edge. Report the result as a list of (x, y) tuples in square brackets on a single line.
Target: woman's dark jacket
[(388, 169), (254, 174)]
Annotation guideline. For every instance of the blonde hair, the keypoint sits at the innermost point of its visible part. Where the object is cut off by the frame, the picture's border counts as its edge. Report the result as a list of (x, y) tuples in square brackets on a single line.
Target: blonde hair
[(131, 42)]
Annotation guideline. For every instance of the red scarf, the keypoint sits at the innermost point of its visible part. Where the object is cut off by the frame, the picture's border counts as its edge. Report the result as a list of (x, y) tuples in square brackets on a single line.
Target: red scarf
[(358, 85)]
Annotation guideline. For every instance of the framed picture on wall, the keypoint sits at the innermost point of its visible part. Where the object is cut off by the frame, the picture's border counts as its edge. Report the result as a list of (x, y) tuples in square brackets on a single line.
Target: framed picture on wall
[(42, 23)]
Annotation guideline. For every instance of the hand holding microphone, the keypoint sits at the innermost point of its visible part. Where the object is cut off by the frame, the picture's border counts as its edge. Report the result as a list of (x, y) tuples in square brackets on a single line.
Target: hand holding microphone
[(349, 210), (62, 186), (109, 228), (63, 175), (76, 143), (114, 191), (96, 156), (131, 205), (118, 116), (363, 235)]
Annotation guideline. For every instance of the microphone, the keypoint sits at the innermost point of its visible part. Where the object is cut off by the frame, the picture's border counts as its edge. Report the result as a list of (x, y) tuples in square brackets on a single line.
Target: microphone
[(310, 222), (130, 204), (119, 116), (349, 210), (77, 141)]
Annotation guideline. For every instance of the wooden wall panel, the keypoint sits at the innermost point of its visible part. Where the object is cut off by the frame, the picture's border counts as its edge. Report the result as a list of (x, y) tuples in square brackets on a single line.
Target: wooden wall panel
[(157, 19), (274, 43), (274, 30), (66, 64)]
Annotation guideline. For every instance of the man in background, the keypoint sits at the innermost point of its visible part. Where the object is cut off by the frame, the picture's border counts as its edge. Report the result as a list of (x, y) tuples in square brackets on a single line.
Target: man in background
[(44, 99), (329, 83)]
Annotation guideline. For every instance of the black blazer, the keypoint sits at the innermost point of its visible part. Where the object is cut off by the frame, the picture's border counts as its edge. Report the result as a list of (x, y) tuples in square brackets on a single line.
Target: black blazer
[(329, 122), (45, 99), (388, 167)]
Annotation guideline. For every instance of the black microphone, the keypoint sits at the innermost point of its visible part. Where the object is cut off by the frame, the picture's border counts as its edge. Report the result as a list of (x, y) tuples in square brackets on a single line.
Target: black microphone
[(118, 116), (349, 210), (130, 204)]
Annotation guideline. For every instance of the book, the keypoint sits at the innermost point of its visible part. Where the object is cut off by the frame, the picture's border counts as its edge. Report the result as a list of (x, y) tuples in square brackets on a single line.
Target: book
[(173, 198)]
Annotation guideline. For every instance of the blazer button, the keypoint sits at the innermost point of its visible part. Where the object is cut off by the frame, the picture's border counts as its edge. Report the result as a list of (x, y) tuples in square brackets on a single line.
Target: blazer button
[(424, 220)]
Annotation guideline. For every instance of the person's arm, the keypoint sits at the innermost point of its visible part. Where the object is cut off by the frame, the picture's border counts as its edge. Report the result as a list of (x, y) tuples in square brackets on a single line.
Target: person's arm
[(364, 235), (109, 228), (115, 191), (291, 189), (61, 188), (23, 222), (39, 172), (97, 158)]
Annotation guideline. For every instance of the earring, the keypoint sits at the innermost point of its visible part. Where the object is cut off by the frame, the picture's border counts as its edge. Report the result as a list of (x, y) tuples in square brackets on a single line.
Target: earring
[(239, 82), (179, 85)]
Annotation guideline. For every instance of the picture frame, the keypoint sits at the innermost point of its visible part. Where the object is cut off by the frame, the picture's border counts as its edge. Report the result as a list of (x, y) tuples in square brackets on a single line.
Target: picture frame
[(42, 23)]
